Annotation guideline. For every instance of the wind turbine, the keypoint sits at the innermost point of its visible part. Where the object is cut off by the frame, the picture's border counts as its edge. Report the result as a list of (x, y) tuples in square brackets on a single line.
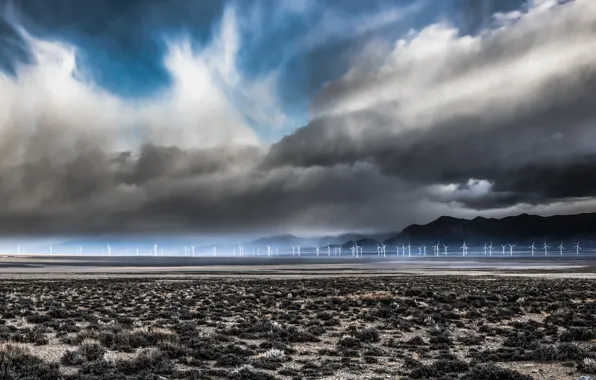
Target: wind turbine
[(419, 250), (298, 249), (293, 250), (403, 249), (464, 249), (155, 249), (424, 250), (546, 247), (51, 250), (185, 251), (329, 251), (561, 248), (80, 251), (409, 250), (268, 251), (317, 249), (490, 249), (214, 251), (511, 249), (485, 248), (577, 248), (396, 250), (436, 249), (378, 250), (137, 251), (504, 248), (445, 246), (192, 248), (533, 248), (384, 251)]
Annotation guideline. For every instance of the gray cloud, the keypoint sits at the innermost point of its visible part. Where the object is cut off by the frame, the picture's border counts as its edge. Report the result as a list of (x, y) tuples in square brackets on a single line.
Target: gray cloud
[(438, 124), (445, 110)]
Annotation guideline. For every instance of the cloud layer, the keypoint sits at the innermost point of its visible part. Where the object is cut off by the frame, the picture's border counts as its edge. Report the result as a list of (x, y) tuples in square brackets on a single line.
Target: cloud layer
[(434, 123)]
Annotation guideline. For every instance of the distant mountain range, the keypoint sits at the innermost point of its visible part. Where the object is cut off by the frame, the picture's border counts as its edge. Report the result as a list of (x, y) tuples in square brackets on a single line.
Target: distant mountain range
[(520, 229)]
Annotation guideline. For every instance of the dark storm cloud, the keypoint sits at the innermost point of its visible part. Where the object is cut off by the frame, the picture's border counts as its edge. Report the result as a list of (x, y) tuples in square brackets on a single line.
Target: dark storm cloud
[(535, 147), (506, 118), (166, 189)]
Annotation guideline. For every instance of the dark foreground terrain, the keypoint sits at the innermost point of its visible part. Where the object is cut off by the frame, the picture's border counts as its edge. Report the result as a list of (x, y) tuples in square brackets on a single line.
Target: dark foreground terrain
[(409, 327)]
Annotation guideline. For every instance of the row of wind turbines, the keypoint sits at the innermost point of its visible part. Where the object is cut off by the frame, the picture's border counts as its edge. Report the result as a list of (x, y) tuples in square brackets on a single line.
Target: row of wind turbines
[(356, 250)]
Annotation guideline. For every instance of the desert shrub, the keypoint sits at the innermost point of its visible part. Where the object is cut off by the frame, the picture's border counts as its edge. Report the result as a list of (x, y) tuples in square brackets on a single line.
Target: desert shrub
[(369, 335), (559, 352), (493, 372), (91, 351), (575, 334), (349, 342), (438, 369), (72, 358), (17, 364), (249, 373), (230, 360), (153, 361)]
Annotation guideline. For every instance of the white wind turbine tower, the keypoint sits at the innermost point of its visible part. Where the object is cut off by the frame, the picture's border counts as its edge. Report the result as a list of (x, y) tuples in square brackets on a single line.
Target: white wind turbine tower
[(511, 249), (396, 250), (298, 249), (378, 250), (155, 249), (293, 250), (420, 251), (504, 246), (424, 250), (80, 251), (445, 246), (384, 251), (51, 250), (360, 248), (561, 248), (192, 250), (485, 248), (436, 249), (409, 250), (329, 251), (577, 248), (403, 249), (464, 249), (533, 248), (317, 250), (268, 251), (490, 249), (214, 251), (546, 247), (137, 251)]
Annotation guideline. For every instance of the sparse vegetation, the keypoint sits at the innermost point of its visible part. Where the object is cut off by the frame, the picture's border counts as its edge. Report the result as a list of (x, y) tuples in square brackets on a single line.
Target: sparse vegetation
[(397, 327)]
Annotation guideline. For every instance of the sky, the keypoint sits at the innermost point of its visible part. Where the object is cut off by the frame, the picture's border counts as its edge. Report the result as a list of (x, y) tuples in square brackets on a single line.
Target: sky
[(308, 117)]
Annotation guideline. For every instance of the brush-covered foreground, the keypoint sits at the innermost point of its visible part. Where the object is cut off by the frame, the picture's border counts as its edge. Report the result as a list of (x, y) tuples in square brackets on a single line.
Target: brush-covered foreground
[(362, 328)]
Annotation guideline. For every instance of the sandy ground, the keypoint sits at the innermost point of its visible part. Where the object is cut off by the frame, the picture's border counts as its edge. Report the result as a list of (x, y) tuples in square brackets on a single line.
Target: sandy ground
[(73, 266)]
